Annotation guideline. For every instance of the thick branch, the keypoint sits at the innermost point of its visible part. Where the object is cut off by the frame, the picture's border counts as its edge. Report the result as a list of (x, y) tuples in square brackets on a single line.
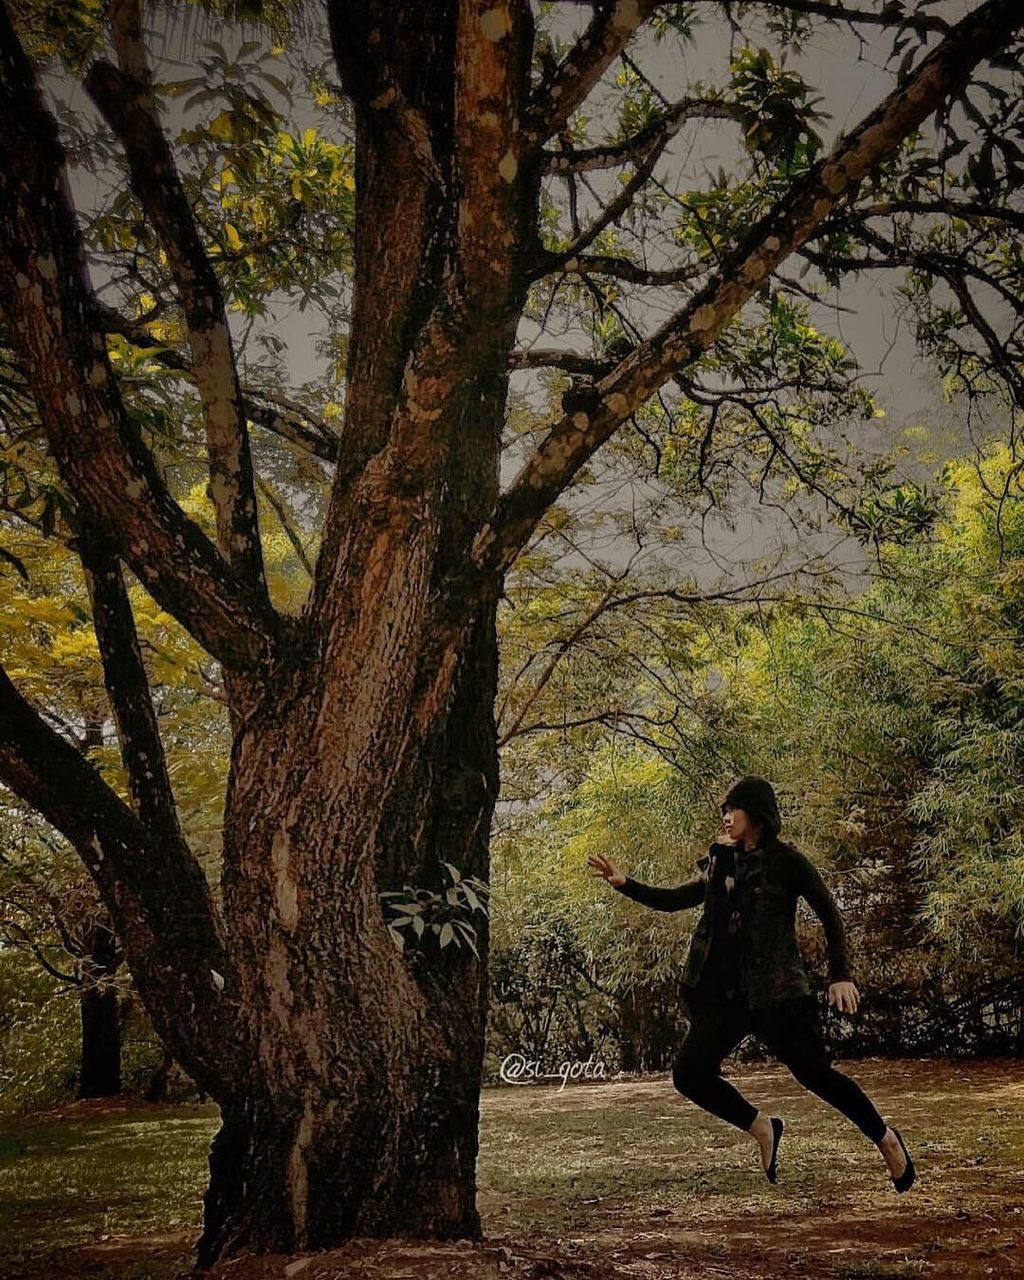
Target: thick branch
[(358, 48), (124, 675), (48, 301), (744, 270), (559, 94), (491, 80), (129, 109), (154, 889)]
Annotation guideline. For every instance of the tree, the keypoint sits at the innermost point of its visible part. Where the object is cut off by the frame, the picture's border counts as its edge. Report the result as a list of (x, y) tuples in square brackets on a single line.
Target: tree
[(363, 750), (54, 925)]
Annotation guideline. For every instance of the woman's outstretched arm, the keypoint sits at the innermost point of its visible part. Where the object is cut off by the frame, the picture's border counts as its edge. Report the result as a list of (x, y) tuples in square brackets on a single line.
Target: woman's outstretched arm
[(689, 894)]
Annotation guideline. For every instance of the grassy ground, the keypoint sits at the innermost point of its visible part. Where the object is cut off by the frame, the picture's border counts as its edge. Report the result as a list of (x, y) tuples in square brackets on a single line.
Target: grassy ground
[(615, 1180)]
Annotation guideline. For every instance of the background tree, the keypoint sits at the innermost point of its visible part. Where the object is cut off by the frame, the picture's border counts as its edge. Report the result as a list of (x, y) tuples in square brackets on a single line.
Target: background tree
[(363, 745), (888, 720), (68, 934)]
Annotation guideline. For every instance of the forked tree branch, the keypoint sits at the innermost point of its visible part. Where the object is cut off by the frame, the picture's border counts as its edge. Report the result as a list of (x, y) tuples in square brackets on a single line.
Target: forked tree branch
[(126, 102), (49, 306)]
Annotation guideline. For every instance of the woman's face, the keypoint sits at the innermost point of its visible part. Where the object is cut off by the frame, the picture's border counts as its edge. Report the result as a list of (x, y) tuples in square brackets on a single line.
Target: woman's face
[(737, 824)]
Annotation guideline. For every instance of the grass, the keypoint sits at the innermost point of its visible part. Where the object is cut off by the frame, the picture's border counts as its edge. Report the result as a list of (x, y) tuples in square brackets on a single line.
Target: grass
[(624, 1173), (100, 1171)]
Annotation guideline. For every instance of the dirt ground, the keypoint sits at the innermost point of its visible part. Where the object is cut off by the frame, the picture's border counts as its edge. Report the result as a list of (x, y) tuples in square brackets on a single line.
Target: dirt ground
[(608, 1181)]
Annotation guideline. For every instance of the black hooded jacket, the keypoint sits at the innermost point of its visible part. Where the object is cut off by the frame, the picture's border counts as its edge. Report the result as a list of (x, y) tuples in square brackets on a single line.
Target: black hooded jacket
[(750, 899)]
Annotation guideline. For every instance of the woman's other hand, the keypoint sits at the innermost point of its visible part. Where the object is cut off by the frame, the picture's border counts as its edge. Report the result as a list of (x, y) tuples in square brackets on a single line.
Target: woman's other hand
[(606, 869), (844, 995)]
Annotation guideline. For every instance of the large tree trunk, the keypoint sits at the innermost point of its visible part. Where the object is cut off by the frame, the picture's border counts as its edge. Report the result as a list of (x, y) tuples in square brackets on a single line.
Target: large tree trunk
[(372, 759), (360, 1107)]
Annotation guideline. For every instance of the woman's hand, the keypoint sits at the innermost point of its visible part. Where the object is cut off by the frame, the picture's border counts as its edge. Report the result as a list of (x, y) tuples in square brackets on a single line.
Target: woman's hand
[(605, 869), (844, 995)]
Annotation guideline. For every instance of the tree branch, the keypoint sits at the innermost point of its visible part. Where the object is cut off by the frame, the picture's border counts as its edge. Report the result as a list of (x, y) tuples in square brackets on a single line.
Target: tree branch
[(127, 105), (664, 125), (743, 270), (154, 889), (268, 409), (30, 944), (1000, 357), (600, 264), (966, 209), (290, 533), (887, 16), (48, 301), (356, 42), (553, 357), (124, 675), (491, 62), (560, 92), (569, 258)]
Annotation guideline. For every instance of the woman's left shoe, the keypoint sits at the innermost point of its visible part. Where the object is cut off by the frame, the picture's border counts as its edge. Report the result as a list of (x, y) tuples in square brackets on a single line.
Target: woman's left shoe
[(771, 1172), (906, 1179)]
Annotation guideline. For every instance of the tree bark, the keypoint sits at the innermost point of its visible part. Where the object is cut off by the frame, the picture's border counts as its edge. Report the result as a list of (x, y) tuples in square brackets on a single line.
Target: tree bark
[(100, 1074), (359, 1114)]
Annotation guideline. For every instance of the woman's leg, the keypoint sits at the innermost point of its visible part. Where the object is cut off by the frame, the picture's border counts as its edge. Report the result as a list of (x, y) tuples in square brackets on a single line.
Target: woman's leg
[(792, 1032), (716, 1028)]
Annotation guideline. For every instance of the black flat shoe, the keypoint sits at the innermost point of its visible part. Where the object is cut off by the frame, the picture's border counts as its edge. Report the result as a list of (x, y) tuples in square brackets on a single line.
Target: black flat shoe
[(771, 1173), (906, 1179)]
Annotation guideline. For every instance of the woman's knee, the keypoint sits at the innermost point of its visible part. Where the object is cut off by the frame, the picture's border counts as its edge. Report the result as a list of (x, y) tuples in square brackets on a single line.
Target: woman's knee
[(690, 1075), (813, 1072)]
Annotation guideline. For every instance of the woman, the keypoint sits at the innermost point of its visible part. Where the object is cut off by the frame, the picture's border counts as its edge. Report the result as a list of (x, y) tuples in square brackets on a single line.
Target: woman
[(744, 973)]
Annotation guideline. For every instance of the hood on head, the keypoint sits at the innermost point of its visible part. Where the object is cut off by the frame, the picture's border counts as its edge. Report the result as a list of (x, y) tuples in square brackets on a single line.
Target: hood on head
[(755, 796)]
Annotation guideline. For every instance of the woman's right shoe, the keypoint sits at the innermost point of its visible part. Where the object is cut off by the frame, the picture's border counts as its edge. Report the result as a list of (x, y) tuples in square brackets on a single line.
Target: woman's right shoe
[(771, 1173), (906, 1179)]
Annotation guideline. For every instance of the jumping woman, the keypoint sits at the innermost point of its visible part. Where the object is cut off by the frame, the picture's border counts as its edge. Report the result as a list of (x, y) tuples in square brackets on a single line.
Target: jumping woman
[(744, 973)]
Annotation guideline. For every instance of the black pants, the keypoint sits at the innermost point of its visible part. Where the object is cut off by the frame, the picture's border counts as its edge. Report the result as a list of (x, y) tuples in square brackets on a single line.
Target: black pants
[(791, 1031)]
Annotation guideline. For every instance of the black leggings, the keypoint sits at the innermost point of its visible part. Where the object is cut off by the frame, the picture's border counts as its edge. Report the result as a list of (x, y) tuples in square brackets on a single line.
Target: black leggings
[(791, 1031)]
